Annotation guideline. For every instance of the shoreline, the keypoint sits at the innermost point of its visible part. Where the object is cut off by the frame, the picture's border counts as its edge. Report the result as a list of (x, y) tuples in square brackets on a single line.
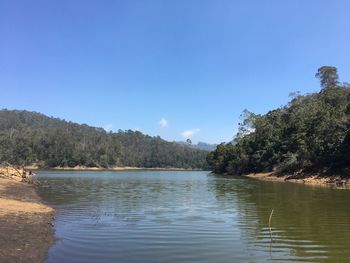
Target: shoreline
[(335, 181), (26, 231), (115, 168)]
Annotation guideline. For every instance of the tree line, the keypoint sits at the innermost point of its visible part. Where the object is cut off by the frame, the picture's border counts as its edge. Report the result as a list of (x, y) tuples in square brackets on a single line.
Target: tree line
[(30, 137), (309, 134)]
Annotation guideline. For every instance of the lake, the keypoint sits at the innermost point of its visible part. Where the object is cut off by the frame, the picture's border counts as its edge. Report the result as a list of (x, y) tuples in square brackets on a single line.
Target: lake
[(192, 216)]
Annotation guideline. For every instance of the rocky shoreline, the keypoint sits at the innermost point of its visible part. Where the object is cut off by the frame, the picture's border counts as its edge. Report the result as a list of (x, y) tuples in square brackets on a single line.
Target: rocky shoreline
[(335, 181)]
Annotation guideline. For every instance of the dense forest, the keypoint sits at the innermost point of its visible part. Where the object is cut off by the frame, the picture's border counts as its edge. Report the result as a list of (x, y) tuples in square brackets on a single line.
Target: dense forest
[(309, 134), (29, 137)]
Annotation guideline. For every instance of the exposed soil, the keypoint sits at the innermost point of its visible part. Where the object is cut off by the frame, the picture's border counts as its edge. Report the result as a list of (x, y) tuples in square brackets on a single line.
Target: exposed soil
[(316, 179), (119, 168), (25, 223)]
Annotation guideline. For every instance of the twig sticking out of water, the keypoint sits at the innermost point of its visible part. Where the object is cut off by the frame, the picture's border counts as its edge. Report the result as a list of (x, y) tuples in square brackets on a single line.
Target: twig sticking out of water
[(270, 223)]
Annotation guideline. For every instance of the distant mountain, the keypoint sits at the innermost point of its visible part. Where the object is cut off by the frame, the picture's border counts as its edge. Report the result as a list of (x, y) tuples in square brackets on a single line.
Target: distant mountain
[(36, 138), (200, 146)]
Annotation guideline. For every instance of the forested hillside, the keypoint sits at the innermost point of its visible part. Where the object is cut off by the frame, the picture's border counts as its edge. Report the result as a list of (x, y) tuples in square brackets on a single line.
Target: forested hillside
[(36, 138), (200, 145), (310, 134)]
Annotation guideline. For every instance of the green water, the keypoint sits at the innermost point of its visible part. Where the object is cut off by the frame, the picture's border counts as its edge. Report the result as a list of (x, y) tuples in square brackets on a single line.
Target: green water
[(167, 216)]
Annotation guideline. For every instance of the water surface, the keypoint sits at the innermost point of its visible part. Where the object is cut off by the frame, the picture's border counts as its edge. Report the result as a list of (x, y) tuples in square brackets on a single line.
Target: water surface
[(176, 216)]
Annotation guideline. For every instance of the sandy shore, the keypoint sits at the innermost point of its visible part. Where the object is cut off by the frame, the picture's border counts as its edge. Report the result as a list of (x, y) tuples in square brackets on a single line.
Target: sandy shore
[(25, 223), (318, 180), (118, 168), (113, 168)]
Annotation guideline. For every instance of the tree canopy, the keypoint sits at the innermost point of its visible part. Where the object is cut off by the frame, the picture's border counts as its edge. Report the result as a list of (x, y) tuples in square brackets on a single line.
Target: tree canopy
[(328, 76), (310, 133), (35, 138)]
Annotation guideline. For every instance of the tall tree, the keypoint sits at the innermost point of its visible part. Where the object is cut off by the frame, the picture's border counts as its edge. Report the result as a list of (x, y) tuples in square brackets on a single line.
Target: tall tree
[(328, 76)]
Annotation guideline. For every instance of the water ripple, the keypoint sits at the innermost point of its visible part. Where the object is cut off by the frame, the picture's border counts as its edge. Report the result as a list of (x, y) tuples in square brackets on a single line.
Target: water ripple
[(192, 217)]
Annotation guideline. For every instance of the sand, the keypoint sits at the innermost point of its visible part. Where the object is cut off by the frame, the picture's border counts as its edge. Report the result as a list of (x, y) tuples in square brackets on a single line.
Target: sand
[(120, 168), (25, 222)]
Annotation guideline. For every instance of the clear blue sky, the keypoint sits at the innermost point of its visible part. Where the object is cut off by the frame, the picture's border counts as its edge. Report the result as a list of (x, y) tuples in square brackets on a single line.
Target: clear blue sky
[(195, 63)]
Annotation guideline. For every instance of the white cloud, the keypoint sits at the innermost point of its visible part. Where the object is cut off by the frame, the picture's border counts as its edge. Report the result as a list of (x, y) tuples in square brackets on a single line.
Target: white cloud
[(163, 122), (108, 127), (189, 133)]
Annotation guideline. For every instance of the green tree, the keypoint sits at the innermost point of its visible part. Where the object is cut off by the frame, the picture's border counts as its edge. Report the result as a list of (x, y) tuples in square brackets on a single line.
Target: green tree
[(328, 76), (310, 133), (34, 137)]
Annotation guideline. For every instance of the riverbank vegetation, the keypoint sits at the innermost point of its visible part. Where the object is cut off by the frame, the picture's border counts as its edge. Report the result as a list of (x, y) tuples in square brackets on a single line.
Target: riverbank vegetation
[(30, 137), (311, 134)]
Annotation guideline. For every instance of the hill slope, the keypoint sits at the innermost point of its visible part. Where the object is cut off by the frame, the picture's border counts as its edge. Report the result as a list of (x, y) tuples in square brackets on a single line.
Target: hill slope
[(52, 142), (310, 134), (200, 146)]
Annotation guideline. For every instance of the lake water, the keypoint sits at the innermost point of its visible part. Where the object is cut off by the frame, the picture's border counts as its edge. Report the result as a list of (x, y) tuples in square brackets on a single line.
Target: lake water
[(173, 216)]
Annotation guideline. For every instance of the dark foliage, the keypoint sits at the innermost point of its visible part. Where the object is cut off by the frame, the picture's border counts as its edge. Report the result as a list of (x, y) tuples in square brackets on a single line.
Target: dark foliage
[(311, 133), (35, 138)]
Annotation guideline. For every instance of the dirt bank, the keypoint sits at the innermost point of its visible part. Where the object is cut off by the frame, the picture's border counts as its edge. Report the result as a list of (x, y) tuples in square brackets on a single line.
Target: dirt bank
[(25, 223), (119, 168), (319, 180)]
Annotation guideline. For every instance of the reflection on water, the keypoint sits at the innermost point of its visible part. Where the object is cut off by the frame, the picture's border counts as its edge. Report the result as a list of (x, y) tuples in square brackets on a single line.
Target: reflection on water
[(308, 224), (167, 216)]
